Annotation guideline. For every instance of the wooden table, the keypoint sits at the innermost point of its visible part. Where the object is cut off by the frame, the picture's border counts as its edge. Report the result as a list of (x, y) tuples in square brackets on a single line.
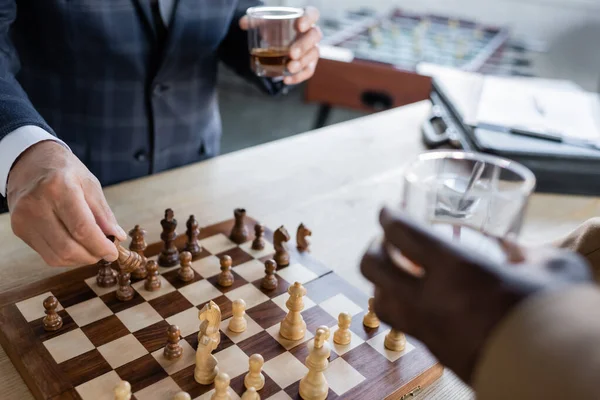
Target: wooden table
[(334, 180)]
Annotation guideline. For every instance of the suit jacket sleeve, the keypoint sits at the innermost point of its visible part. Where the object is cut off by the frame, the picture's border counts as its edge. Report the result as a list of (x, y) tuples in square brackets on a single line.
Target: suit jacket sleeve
[(585, 240), (233, 51), (545, 349)]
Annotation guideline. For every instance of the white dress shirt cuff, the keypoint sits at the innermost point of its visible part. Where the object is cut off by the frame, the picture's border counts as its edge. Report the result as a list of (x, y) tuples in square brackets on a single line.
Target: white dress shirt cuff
[(15, 143)]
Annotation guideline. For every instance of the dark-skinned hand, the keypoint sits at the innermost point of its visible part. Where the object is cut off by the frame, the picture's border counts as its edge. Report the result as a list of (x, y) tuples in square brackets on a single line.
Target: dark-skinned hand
[(460, 296)]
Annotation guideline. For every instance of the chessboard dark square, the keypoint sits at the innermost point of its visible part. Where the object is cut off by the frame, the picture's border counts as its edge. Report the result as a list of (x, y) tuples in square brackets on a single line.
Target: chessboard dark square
[(38, 327), (224, 304), (263, 344), (85, 367), (142, 372), (106, 330), (173, 278), (116, 305), (366, 360), (238, 281), (187, 383), (153, 337), (266, 314), (73, 293), (362, 331), (238, 256), (294, 392), (192, 339), (315, 317), (170, 304), (282, 287), (301, 352), (270, 388)]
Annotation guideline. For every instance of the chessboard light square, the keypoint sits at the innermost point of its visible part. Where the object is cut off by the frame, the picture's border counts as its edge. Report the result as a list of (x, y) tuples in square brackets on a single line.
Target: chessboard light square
[(249, 293), (208, 395), (287, 344), (100, 388), (280, 396), (187, 321), (161, 390), (71, 344), (100, 291), (377, 342), (33, 308), (285, 369), (89, 311), (121, 351), (207, 266), (251, 270), (200, 292), (233, 361), (252, 329), (339, 304), (165, 288), (172, 366), (297, 273), (341, 377), (247, 247), (139, 317), (217, 244), (340, 349), (283, 298)]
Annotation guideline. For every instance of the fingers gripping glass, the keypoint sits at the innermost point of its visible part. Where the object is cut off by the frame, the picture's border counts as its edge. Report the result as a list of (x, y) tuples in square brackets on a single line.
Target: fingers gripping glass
[(271, 32)]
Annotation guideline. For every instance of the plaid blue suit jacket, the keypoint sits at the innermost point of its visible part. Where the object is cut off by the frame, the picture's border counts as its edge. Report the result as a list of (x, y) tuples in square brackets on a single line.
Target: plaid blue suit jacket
[(93, 73)]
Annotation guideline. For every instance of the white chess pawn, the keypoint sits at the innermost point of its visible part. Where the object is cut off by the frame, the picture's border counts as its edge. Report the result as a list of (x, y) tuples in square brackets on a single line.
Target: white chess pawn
[(182, 396), (238, 323), (254, 378), (342, 334), (250, 394), (123, 391), (221, 387), (395, 341)]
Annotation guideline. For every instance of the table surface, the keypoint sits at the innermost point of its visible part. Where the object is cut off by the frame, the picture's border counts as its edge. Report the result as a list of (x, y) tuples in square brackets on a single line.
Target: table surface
[(334, 180)]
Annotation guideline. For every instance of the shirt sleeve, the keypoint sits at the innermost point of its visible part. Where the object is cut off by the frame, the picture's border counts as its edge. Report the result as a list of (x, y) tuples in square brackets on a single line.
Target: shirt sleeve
[(15, 143)]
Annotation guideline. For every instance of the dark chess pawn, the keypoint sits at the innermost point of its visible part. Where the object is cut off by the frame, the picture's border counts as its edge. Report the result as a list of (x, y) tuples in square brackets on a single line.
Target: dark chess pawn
[(239, 233), (225, 277), (138, 244), (125, 291), (52, 321), (270, 282), (107, 277), (152, 280), (192, 232), (169, 256), (259, 240), (186, 273), (173, 350)]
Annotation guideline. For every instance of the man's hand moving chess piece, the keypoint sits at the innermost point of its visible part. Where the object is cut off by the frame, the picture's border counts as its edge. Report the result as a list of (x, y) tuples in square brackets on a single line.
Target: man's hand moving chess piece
[(57, 207), (508, 329)]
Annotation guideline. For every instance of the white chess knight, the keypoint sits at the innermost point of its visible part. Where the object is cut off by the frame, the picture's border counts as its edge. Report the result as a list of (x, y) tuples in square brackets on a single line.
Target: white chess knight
[(314, 386), (209, 338)]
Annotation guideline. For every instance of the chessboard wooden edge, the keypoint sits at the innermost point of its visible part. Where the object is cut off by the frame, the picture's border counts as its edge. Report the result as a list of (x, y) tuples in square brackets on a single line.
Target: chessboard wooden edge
[(419, 383)]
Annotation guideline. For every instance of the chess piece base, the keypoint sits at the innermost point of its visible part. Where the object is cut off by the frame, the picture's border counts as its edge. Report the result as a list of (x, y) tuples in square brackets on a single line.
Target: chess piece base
[(342, 338), (107, 277), (313, 391), (290, 332), (270, 284), (125, 294), (371, 321), (53, 324), (395, 342), (238, 325), (173, 352), (257, 382), (282, 259), (186, 276), (140, 273), (258, 244), (168, 259), (226, 281), (206, 377), (194, 250)]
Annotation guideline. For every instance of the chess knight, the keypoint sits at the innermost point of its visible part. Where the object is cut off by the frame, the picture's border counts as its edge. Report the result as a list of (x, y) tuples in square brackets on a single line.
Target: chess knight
[(209, 338)]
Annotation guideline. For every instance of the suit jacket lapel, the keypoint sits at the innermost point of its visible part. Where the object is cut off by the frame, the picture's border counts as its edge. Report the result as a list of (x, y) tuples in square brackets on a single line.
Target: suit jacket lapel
[(143, 8), (174, 30)]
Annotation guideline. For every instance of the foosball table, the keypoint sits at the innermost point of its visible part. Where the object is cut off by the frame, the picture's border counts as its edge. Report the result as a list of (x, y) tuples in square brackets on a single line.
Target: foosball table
[(227, 311)]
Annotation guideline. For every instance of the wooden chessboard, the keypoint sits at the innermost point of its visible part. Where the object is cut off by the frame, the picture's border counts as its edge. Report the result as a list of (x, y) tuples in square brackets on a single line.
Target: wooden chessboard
[(104, 340)]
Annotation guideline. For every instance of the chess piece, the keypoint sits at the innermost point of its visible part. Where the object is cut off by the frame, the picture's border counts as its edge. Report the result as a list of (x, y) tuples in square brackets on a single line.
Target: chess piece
[(293, 326), (270, 282), (125, 291), (52, 321), (128, 260), (186, 273), (225, 277), (250, 394), (302, 242), (342, 334), (138, 244), (107, 277), (370, 320), (238, 323), (254, 378), (395, 341), (239, 233), (280, 237), (209, 338), (182, 396), (192, 233), (314, 386), (221, 387), (123, 391), (153, 282), (259, 240), (173, 349), (168, 256)]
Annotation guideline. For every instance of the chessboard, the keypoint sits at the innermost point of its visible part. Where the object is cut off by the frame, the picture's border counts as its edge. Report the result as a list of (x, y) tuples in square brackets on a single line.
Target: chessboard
[(104, 341)]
